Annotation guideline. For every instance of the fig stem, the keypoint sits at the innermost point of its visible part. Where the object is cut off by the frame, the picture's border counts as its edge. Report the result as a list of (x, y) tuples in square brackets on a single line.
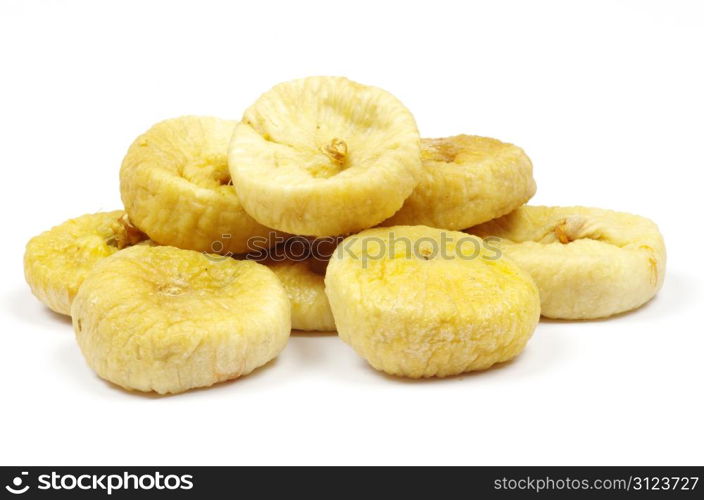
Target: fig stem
[(336, 151)]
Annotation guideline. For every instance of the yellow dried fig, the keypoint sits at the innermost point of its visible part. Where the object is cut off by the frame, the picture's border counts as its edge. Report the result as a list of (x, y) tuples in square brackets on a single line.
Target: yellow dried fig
[(176, 187), (587, 262), (167, 320), (418, 302), (466, 180), (304, 283), (324, 156), (57, 261)]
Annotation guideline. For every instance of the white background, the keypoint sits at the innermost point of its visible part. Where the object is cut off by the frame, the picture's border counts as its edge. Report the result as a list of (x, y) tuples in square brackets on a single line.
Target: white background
[(606, 98)]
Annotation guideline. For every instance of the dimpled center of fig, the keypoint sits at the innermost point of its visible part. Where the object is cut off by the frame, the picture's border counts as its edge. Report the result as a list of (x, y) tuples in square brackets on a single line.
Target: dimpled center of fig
[(172, 288), (573, 228), (336, 151)]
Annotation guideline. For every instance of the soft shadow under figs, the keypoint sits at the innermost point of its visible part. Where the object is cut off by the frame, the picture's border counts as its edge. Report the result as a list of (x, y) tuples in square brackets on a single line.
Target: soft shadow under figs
[(25, 307)]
